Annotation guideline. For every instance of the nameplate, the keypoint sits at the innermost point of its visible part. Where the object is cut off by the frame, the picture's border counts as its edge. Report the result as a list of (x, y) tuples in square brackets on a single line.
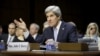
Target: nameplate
[(18, 46)]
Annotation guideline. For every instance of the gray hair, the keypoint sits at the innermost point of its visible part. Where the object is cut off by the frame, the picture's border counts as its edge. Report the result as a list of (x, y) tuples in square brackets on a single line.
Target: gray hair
[(36, 25), (55, 9)]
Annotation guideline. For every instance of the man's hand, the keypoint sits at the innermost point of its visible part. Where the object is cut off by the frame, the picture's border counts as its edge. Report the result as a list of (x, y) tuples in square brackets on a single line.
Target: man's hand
[(51, 41), (20, 24)]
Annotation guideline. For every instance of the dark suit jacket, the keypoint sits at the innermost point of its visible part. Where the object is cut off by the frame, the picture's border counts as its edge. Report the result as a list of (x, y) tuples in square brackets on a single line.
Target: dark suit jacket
[(67, 33), (38, 39), (5, 38), (17, 40)]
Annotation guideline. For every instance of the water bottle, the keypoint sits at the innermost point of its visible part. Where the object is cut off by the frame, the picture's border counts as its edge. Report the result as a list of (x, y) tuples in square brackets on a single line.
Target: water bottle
[(2, 45), (50, 47)]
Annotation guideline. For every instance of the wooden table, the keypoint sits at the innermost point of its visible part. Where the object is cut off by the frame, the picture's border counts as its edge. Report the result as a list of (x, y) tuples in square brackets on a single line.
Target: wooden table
[(72, 53), (24, 53), (52, 53)]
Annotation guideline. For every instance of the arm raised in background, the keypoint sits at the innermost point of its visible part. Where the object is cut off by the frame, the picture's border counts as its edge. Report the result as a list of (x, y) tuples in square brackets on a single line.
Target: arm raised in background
[(22, 24)]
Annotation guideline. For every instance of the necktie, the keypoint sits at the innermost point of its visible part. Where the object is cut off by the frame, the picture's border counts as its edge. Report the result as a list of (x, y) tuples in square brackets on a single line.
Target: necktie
[(10, 39)]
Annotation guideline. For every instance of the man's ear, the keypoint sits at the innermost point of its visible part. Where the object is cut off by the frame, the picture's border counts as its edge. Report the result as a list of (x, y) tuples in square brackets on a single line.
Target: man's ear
[(59, 17)]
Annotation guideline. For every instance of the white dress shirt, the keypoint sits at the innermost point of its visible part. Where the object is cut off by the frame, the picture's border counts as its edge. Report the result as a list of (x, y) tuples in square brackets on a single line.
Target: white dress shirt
[(34, 36), (10, 38), (26, 34), (56, 30)]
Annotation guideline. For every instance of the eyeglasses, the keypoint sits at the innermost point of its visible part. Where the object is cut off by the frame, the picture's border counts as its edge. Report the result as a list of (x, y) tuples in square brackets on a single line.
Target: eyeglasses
[(92, 28)]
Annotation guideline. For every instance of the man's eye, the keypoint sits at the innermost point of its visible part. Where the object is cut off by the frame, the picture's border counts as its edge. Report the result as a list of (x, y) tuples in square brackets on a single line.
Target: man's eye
[(51, 16)]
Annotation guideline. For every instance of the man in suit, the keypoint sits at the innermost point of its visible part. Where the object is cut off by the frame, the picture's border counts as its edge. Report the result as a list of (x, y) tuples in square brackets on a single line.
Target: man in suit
[(58, 30), (34, 36), (31, 35), (80, 35), (11, 33)]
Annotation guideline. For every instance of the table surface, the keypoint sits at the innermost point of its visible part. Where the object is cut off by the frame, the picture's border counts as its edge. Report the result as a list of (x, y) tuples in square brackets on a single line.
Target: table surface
[(54, 53)]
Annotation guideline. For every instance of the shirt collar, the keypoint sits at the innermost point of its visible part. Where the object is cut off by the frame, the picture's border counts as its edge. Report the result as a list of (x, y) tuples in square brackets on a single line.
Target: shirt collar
[(58, 26), (11, 36), (34, 36)]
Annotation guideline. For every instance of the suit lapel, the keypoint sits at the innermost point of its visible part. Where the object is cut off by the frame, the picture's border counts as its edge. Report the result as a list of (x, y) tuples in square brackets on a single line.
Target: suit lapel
[(15, 39), (7, 36), (61, 31), (36, 38)]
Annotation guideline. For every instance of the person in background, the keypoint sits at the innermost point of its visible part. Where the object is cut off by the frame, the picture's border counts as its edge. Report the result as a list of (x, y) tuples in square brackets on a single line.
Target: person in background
[(80, 35), (11, 33), (1, 30), (71, 22), (19, 35), (31, 35), (92, 32), (34, 36)]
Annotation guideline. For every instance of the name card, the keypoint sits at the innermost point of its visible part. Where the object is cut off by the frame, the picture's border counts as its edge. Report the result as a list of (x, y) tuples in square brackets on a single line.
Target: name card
[(18, 46)]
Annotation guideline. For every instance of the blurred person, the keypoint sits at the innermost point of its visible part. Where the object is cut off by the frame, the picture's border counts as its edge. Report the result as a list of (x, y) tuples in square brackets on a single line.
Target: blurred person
[(1, 30), (71, 22), (92, 32), (11, 33), (34, 36), (80, 35), (31, 35), (19, 35)]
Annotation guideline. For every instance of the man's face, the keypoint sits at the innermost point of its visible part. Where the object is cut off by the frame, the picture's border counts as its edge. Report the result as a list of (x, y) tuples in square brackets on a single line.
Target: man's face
[(11, 29), (52, 19), (33, 29)]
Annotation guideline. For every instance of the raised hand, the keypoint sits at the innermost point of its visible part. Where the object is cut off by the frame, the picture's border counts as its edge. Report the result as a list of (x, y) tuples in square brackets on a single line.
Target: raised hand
[(20, 24)]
